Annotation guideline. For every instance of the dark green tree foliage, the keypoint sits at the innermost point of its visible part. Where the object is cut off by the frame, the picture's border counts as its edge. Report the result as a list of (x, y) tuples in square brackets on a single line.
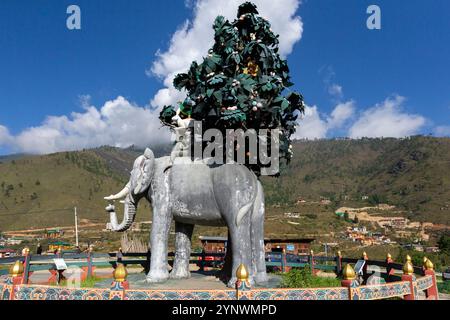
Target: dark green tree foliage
[(444, 243), (240, 82)]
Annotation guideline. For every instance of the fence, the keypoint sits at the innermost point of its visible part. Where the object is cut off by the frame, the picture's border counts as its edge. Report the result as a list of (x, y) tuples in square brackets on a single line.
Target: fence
[(407, 286), (89, 261)]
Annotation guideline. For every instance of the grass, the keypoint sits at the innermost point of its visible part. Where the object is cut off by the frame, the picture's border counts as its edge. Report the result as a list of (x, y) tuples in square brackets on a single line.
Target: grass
[(302, 278), (444, 287), (88, 283)]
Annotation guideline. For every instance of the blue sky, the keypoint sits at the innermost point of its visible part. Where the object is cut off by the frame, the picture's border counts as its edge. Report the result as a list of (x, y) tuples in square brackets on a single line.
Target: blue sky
[(356, 82)]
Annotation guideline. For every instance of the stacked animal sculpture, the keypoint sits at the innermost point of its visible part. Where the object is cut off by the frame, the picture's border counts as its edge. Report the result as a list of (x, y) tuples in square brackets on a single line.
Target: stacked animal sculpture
[(194, 192)]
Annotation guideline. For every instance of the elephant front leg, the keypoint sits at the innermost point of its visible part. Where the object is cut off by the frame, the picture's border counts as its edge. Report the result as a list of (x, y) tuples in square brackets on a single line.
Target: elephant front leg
[(158, 242), (182, 251)]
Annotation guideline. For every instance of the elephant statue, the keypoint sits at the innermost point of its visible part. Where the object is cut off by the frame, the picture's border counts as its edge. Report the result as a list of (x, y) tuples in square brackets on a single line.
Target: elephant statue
[(190, 193)]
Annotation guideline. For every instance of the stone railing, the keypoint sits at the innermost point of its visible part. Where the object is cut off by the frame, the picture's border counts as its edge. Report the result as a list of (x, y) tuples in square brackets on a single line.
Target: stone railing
[(407, 288)]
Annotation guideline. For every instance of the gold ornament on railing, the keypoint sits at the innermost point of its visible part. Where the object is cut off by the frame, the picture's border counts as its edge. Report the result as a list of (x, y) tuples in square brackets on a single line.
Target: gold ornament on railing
[(16, 270), (388, 256), (408, 268), (25, 251), (242, 273), (339, 253), (427, 264), (364, 256), (120, 273), (348, 273)]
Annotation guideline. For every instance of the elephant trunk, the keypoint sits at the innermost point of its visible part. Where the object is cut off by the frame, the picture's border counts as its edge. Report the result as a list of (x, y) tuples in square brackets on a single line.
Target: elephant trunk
[(128, 215)]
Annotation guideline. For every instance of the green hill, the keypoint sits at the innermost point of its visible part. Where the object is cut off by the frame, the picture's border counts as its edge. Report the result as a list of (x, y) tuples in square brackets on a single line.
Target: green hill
[(414, 174), (41, 191)]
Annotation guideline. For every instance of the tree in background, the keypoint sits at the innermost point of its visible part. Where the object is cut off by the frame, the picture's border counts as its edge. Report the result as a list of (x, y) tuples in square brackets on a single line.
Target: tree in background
[(240, 84), (444, 243)]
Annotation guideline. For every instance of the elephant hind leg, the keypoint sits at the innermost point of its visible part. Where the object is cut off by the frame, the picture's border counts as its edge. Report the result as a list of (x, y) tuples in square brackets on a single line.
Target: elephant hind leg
[(241, 249), (182, 251)]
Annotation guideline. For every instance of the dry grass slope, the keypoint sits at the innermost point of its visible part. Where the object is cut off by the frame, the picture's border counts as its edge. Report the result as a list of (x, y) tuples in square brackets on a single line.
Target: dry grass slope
[(414, 174)]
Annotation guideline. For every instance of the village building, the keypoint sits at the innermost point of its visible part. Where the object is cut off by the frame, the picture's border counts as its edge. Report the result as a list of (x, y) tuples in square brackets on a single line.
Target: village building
[(5, 253), (214, 244), (296, 246), (394, 222), (53, 234), (53, 246), (14, 241), (292, 215), (432, 250)]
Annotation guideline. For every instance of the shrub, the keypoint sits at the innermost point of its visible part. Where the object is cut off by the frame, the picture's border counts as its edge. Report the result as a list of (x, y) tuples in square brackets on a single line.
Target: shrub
[(444, 287), (302, 278), (444, 243)]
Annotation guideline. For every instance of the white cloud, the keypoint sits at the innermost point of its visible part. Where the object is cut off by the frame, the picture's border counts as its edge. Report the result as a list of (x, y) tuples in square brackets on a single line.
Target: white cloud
[(312, 126), (442, 131), (193, 39), (117, 123), (387, 120), (5, 136), (343, 112), (336, 91)]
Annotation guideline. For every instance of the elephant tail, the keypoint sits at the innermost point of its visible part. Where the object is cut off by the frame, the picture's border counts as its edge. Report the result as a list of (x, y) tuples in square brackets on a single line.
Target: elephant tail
[(243, 211), (248, 206)]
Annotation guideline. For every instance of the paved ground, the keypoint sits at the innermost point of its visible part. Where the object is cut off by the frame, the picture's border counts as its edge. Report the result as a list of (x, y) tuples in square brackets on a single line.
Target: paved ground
[(444, 296), (197, 281)]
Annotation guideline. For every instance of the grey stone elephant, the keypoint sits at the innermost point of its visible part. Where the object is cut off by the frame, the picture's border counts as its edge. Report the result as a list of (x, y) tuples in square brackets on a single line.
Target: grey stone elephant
[(196, 193)]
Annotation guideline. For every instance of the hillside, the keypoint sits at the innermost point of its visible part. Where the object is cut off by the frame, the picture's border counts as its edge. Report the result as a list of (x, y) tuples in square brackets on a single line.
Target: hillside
[(41, 191), (413, 174)]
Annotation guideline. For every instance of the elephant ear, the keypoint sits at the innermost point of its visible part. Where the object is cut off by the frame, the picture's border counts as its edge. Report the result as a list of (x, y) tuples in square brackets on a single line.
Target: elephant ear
[(142, 173)]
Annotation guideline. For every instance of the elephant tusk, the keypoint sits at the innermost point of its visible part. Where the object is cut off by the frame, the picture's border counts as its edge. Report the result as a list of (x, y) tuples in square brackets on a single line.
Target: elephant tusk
[(122, 194), (128, 218)]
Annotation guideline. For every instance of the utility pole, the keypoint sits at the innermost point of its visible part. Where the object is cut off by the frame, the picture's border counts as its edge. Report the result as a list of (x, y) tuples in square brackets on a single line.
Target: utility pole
[(76, 227)]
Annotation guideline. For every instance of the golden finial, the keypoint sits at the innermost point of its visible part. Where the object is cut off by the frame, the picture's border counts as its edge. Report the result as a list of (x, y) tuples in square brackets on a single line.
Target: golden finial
[(388, 256), (120, 273), (408, 268), (364, 255), (16, 270), (348, 273), (242, 273), (312, 252), (25, 251), (339, 253), (428, 265)]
